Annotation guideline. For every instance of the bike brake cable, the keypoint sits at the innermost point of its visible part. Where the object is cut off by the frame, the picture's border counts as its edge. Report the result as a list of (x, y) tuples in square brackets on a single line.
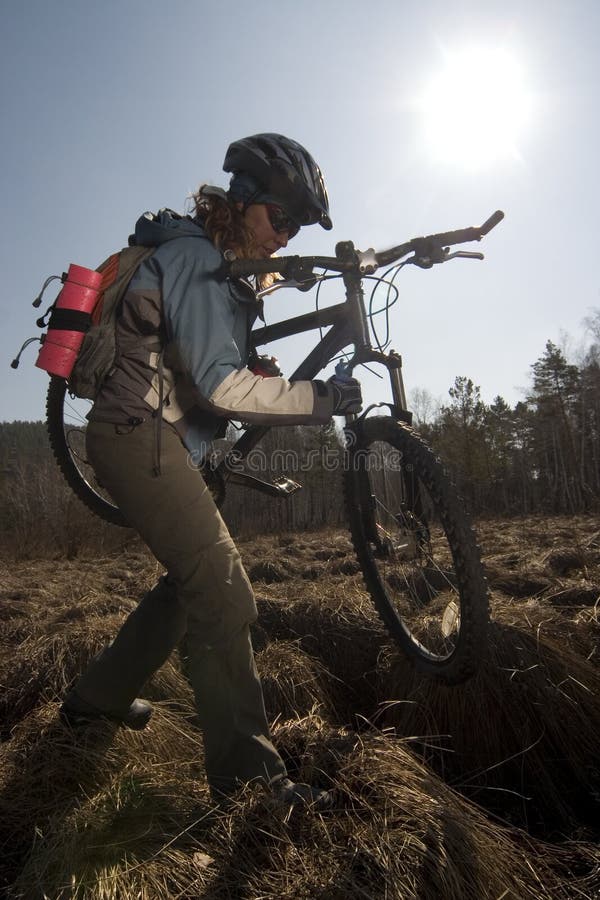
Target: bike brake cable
[(387, 305)]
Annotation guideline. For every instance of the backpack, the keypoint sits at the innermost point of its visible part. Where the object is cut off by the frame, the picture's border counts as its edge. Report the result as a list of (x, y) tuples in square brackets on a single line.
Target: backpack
[(96, 356)]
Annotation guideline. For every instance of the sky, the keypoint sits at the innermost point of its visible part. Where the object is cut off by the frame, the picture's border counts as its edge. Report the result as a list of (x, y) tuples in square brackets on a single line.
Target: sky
[(424, 117)]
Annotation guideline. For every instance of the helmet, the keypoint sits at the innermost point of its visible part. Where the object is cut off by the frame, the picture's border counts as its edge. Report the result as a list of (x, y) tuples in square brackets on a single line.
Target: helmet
[(286, 171)]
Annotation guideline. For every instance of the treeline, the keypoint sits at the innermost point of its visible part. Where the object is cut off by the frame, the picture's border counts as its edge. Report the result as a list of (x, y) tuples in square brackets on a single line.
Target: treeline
[(311, 457), (540, 456), (39, 514)]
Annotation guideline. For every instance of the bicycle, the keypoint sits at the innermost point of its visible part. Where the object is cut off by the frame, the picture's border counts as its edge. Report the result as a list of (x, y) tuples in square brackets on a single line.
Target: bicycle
[(411, 534)]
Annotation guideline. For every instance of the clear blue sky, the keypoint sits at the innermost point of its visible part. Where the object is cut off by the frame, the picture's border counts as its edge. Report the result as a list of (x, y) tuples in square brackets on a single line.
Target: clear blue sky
[(113, 108)]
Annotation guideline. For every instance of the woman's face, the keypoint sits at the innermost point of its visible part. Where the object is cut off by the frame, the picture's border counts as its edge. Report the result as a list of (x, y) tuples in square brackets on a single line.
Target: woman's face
[(267, 240)]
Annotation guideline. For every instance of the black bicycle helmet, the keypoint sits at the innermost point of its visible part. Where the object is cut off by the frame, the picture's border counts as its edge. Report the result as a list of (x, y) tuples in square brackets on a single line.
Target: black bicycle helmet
[(287, 172)]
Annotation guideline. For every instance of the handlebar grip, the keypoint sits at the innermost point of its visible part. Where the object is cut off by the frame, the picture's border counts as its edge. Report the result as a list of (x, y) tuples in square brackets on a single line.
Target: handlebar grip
[(465, 235), (240, 267), (493, 220), (448, 238)]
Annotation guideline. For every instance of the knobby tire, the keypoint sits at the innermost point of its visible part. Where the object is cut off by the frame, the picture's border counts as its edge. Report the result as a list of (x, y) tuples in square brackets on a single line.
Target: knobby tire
[(66, 424), (416, 548)]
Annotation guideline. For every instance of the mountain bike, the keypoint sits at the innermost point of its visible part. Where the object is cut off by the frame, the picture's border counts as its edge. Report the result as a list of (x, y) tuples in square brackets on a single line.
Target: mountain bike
[(410, 531)]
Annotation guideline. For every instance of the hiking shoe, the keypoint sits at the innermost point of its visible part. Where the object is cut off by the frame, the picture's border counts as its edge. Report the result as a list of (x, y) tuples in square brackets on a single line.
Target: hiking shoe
[(286, 792), (76, 713)]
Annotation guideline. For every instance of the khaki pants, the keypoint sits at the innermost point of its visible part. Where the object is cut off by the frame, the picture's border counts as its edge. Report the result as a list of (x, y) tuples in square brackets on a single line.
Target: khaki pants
[(206, 598)]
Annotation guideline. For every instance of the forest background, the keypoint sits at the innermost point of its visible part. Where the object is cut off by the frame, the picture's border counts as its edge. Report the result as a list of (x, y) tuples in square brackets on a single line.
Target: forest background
[(540, 456)]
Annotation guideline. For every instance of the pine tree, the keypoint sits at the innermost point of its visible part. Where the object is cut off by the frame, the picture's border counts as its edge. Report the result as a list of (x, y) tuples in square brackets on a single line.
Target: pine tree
[(461, 439), (554, 400)]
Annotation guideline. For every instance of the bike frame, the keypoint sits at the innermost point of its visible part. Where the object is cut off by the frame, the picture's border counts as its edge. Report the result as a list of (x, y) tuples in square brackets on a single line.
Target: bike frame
[(348, 325)]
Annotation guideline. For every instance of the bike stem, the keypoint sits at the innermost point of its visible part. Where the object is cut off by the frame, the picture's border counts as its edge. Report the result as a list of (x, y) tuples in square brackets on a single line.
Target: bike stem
[(346, 252)]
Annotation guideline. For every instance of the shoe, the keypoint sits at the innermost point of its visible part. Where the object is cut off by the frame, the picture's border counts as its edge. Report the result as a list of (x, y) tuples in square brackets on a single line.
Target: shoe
[(76, 713), (285, 792)]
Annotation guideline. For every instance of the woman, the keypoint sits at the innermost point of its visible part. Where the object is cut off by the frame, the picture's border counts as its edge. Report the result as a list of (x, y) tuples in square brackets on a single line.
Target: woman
[(180, 372)]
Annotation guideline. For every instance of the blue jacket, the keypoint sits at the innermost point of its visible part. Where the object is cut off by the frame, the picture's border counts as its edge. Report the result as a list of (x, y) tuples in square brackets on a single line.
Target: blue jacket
[(186, 325)]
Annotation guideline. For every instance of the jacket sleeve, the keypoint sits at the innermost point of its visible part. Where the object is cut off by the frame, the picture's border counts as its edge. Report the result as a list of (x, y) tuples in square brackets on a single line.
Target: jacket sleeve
[(199, 308), (252, 398)]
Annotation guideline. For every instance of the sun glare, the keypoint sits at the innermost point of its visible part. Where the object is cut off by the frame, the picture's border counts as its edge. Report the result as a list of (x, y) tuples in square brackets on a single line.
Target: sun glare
[(476, 108)]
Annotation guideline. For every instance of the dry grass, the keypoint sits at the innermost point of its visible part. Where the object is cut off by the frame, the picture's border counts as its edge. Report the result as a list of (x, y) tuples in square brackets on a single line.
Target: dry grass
[(438, 791), (520, 738), (294, 683), (132, 820)]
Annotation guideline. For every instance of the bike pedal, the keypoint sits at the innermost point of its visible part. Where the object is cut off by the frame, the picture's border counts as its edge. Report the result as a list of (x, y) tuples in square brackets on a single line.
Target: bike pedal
[(285, 485)]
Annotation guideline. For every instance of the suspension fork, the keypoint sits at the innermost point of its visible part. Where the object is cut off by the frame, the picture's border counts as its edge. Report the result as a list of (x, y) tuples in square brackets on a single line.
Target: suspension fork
[(363, 351), (397, 386), (392, 361)]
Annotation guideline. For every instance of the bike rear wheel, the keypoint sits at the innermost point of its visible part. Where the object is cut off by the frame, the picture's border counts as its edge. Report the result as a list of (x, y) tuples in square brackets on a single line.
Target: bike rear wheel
[(416, 548), (66, 424)]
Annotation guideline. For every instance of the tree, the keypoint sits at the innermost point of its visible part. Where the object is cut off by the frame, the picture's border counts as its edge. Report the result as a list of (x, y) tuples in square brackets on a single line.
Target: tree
[(502, 441), (589, 426), (554, 399), (592, 325), (460, 439), (424, 406)]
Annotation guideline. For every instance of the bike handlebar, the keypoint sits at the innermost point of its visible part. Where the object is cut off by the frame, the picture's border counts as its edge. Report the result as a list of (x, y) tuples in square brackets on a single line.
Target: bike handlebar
[(493, 220), (300, 267), (426, 246)]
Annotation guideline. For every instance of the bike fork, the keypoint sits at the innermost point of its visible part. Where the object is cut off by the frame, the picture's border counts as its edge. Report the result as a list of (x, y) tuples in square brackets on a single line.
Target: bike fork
[(397, 384)]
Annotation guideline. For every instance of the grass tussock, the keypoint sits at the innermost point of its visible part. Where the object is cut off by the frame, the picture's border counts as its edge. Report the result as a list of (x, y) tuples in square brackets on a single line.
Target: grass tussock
[(440, 792), (345, 639), (518, 738), (293, 682), (48, 662), (135, 823)]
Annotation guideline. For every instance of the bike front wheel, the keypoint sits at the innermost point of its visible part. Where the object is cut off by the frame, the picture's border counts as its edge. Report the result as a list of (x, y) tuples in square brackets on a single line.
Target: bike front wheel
[(416, 548)]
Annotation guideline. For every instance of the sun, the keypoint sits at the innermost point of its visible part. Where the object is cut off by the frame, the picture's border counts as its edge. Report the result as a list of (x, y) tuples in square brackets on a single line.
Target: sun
[(476, 108)]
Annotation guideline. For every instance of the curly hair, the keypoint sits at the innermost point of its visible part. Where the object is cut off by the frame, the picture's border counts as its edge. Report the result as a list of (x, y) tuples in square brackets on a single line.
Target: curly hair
[(224, 223), (226, 227)]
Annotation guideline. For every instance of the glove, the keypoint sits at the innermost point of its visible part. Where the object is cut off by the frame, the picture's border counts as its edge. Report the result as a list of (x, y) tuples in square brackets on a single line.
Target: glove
[(347, 397), (266, 366)]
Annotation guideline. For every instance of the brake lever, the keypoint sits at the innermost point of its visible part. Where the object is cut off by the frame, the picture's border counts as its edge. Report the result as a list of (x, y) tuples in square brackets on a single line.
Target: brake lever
[(465, 254), (441, 255), (305, 285)]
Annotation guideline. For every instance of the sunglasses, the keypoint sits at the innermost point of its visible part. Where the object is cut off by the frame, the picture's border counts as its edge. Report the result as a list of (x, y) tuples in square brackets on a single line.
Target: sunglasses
[(280, 221)]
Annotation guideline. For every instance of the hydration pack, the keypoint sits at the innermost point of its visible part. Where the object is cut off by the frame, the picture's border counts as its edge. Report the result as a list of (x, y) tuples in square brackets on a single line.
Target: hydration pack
[(80, 344)]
